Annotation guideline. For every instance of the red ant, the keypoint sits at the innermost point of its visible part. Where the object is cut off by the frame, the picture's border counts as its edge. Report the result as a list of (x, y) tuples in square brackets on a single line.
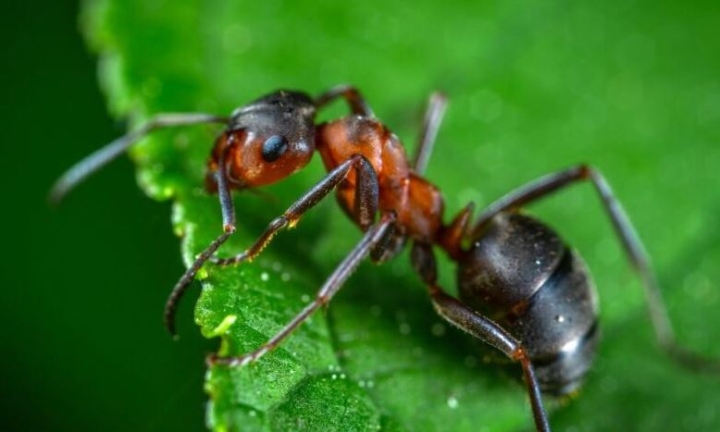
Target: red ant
[(522, 290)]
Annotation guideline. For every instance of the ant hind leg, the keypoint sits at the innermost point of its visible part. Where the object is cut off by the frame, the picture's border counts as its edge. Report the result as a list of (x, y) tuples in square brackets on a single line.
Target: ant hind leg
[(629, 240), (480, 327)]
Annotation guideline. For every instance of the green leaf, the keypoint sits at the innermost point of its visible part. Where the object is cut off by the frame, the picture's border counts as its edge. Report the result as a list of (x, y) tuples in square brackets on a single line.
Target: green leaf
[(631, 88)]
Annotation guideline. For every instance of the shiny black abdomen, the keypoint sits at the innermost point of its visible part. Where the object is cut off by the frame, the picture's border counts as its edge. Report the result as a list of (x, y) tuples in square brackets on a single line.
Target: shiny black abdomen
[(521, 274)]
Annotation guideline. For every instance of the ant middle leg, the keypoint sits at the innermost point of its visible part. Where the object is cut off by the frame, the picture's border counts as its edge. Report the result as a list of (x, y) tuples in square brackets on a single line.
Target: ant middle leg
[(376, 235), (629, 239), (437, 103), (366, 206), (478, 326)]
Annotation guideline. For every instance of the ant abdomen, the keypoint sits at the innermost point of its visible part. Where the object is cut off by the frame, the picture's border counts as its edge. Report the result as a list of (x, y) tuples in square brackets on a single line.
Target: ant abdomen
[(521, 274), (522, 290)]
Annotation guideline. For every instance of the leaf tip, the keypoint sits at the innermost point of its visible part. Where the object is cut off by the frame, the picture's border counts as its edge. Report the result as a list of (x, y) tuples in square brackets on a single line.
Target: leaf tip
[(223, 327)]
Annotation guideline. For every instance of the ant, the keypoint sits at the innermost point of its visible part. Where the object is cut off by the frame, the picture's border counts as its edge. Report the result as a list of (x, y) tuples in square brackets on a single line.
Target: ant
[(521, 289)]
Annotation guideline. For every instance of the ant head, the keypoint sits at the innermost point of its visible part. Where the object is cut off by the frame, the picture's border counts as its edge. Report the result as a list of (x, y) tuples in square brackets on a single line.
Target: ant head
[(271, 138)]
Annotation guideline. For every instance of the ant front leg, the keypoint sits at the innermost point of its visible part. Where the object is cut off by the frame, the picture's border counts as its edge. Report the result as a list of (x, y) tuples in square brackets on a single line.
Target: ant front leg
[(375, 235), (629, 239), (366, 207), (478, 326), (228, 216)]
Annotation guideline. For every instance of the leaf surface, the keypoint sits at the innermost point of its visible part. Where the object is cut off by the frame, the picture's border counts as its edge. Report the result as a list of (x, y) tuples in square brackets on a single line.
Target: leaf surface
[(533, 88)]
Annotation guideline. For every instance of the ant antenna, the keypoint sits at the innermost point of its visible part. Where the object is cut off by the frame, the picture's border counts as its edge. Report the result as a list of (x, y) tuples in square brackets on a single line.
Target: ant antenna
[(86, 167)]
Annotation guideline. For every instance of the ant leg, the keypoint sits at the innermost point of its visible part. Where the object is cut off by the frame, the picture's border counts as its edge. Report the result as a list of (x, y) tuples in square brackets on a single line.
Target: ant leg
[(228, 216), (375, 234), (352, 96), (478, 326), (366, 204), (83, 169), (431, 123), (629, 239)]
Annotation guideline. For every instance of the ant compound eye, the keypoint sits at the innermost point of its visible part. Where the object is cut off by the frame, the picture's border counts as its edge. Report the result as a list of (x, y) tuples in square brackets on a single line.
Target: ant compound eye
[(273, 148)]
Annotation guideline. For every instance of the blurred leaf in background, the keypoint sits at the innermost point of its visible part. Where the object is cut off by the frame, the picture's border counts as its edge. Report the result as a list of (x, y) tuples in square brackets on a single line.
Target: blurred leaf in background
[(629, 87), (83, 347)]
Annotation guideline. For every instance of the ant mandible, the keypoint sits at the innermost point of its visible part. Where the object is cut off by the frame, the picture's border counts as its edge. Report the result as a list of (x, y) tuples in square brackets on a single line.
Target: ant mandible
[(522, 290)]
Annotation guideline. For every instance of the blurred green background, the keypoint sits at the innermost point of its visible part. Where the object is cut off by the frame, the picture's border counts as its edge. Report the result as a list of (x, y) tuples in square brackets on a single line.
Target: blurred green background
[(632, 87), (83, 347)]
